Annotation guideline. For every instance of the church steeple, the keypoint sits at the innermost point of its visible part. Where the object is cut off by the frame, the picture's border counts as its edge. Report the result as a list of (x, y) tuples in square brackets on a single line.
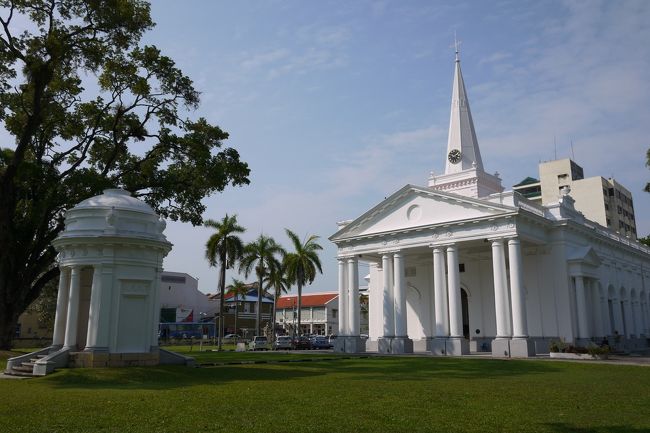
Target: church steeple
[(464, 173), (462, 146)]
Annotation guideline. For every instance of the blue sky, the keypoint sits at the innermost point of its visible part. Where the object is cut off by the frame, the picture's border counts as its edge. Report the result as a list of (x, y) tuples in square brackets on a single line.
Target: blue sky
[(337, 104)]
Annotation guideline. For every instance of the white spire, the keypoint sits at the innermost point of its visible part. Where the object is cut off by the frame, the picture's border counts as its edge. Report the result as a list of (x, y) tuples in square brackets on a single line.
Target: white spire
[(462, 140)]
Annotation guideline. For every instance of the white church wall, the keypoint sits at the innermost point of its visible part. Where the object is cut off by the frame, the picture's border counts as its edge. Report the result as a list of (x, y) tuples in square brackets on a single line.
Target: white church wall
[(418, 301)]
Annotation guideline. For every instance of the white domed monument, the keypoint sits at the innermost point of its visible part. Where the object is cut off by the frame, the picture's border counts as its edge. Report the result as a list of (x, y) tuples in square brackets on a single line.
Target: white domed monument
[(110, 257)]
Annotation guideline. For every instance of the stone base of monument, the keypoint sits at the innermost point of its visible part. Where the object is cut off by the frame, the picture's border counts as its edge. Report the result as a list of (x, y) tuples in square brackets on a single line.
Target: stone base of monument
[(98, 359)]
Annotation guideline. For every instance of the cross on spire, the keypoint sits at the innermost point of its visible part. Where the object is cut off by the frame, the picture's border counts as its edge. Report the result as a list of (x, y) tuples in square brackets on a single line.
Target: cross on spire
[(456, 47)]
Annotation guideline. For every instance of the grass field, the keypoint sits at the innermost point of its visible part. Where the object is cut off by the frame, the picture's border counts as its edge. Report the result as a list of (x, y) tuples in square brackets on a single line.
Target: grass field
[(407, 394)]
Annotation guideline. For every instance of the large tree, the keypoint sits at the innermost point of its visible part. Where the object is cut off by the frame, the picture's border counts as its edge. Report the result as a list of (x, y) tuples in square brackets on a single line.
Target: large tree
[(87, 107), (301, 264), (223, 249), (260, 256)]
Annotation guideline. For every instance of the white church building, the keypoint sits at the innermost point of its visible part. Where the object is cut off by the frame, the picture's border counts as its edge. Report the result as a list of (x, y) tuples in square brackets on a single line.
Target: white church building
[(461, 266)]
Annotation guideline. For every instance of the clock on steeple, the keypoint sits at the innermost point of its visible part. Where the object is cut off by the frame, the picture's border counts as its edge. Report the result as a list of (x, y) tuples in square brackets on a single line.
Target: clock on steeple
[(454, 156)]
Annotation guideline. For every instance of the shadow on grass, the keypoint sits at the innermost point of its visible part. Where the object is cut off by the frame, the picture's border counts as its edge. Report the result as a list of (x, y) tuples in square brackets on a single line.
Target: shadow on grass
[(563, 427), (368, 369), (164, 377), (431, 367)]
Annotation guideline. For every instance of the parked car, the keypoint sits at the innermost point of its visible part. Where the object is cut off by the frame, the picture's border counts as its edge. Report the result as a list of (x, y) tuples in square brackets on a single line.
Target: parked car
[(283, 342), (302, 342), (320, 342), (231, 338), (259, 343)]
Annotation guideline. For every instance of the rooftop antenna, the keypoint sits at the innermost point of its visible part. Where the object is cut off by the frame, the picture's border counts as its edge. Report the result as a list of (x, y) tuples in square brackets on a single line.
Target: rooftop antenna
[(555, 148), (573, 156)]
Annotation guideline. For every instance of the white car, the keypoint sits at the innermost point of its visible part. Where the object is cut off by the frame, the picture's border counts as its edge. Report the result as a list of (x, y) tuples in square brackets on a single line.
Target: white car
[(259, 343), (283, 342)]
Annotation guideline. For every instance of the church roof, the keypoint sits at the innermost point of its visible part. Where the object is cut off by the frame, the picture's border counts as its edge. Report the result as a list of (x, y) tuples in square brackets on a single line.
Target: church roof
[(462, 135), (467, 208)]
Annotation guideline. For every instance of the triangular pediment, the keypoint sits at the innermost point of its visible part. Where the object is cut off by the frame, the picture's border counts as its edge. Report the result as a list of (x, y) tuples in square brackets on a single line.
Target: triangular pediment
[(585, 255), (412, 207)]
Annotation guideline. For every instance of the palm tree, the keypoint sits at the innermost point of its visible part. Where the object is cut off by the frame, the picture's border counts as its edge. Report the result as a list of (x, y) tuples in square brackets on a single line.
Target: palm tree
[(260, 256), (223, 248), (278, 282), (237, 288), (302, 264)]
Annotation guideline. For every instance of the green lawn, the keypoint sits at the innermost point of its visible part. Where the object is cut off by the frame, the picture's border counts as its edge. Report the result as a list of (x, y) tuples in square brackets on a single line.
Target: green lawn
[(367, 394)]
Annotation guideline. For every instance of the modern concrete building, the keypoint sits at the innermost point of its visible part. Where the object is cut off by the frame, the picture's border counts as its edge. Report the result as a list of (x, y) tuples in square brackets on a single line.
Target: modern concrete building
[(182, 301), (461, 265), (601, 200)]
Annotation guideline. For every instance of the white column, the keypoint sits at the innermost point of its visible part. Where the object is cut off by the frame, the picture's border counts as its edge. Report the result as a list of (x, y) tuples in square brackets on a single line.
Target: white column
[(453, 287), (400, 296), (500, 289), (581, 306), (629, 322), (388, 301), (61, 307), (638, 324), (617, 309), (519, 316), (343, 299), (353, 299), (597, 311), (156, 305), (604, 307), (440, 293), (94, 308), (73, 308)]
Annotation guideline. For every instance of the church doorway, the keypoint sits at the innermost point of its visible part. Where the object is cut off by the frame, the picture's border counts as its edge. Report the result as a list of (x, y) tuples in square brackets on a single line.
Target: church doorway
[(465, 307)]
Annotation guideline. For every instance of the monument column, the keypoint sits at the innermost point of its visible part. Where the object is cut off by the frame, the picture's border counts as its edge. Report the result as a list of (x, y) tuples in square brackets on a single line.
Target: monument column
[(388, 302), (501, 344), (520, 346), (61, 308), (343, 299), (94, 312), (73, 308), (456, 343), (439, 344)]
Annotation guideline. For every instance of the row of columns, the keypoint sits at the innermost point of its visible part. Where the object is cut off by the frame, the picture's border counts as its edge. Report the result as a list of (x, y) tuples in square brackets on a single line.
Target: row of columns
[(628, 317)]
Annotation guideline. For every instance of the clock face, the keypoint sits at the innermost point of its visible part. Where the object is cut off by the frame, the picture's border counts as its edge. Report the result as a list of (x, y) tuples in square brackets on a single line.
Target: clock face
[(454, 156)]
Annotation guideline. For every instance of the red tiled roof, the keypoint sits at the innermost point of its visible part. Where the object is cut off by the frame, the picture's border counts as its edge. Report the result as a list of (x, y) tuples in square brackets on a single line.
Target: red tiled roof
[(315, 300)]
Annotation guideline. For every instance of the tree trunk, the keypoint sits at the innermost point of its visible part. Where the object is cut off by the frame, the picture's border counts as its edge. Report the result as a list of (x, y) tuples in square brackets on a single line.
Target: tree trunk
[(8, 322), (236, 318), (275, 303), (299, 307), (222, 299)]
